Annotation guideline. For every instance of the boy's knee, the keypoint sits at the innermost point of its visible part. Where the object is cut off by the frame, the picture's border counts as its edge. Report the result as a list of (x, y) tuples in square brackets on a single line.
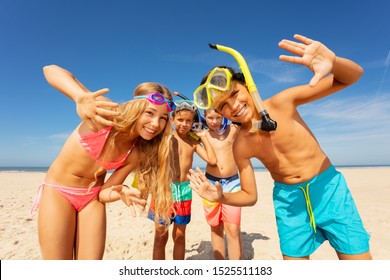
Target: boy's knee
[(179, 240), (179, 237), (160, 239), (232, 230)]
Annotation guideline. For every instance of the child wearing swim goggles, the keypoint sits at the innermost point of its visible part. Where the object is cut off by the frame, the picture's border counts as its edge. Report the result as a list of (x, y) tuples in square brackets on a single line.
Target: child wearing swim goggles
[(184, 147), (311, 198), (72, 215)]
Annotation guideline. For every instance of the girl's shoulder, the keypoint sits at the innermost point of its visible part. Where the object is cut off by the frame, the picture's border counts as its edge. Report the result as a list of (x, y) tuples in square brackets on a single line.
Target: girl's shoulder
[(83, 129)]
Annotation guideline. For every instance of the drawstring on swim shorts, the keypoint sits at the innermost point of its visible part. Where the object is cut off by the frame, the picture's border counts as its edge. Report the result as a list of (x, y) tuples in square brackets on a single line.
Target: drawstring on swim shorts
[(308, 206)]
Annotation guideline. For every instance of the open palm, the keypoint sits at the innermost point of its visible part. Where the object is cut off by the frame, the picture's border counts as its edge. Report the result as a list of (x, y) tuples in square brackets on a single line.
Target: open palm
[(310, 53)]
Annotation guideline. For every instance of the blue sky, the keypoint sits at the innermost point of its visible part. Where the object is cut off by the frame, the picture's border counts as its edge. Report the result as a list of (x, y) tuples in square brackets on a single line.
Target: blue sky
[(119, 44)]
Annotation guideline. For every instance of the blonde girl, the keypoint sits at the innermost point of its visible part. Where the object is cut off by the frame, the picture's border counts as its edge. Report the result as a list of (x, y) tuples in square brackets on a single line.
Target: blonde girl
[(71, 217)]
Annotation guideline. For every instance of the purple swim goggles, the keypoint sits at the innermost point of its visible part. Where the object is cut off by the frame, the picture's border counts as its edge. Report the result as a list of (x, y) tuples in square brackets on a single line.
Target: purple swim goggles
[(158, 99)]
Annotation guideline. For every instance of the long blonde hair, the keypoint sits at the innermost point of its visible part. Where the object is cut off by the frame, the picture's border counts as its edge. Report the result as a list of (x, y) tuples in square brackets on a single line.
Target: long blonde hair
[(155, 166)]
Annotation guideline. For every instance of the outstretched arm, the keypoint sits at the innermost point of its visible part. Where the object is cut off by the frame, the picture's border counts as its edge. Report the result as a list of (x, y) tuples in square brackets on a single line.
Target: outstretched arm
[(90, 105), (321, 60), (207, 152), (202, 186), (114, 189), (247, 196)]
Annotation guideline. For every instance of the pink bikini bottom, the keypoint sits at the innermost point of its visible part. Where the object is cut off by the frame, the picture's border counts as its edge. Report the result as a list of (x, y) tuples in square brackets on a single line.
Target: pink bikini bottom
[(78, 197)]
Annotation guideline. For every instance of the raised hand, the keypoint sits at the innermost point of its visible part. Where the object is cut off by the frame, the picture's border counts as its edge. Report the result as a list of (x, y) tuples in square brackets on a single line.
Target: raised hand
[(95, 111), (131, 197), (201, 132), (201, 185), (312, 54)]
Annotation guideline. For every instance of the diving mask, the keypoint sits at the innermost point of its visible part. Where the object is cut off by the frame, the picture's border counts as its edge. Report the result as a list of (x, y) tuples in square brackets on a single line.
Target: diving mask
[(185, 105), (218, 80)]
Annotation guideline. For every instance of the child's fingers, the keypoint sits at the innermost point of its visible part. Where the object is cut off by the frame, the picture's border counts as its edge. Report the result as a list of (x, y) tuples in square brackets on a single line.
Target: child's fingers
[(130, 195), (303, 39), (291, 59), (201, 174), (138, 201), (314, 81), (192, 174), (103, 121), (130, 191), (194, 188), (292, 47), (141, 207), (100, 92), (91, 125), (218, 186), (105, 103), (292, 44), (132, 210), (195, 178), (107, 112), (194, 184)]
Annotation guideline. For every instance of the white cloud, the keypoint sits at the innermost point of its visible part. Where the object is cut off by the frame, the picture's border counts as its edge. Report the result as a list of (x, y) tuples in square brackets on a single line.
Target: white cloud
[(360, 112), (276, 70), (59, 136)]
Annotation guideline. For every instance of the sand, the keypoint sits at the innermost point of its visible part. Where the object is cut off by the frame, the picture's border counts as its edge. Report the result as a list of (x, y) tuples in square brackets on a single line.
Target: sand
[(132, 237)]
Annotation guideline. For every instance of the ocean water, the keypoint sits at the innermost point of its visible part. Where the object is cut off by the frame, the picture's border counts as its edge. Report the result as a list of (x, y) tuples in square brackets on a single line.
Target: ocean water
[(16, 169)]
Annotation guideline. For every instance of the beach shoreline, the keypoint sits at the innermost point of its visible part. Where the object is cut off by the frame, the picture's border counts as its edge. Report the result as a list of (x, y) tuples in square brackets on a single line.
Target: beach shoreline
[(132, 237)]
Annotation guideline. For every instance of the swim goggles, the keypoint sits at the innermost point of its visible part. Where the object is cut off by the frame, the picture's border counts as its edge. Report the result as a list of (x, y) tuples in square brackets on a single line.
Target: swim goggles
[(219, 80), (158, 99), (185, 105)]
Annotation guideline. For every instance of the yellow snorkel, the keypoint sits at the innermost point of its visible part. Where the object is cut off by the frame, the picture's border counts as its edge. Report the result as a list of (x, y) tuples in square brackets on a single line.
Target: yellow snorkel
[(266, 123)]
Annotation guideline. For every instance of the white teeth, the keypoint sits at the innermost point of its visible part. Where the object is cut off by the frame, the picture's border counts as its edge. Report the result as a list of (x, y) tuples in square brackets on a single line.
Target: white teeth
[(240, 112), (149, 130)]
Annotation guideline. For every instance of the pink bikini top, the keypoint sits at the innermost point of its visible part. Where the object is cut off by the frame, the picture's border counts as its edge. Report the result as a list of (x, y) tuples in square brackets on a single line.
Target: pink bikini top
[(93, 144)]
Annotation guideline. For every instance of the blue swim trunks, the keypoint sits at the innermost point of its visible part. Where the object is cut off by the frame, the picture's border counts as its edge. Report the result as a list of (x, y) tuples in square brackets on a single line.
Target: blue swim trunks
[(320, 209)]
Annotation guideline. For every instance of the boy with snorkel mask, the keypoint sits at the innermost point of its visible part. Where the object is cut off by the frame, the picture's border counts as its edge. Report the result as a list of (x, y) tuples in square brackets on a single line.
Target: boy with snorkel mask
[(183, 149), (311, 198)]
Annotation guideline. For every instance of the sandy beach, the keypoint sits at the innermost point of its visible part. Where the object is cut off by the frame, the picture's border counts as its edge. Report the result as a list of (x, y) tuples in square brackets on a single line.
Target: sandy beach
[(132, 237)]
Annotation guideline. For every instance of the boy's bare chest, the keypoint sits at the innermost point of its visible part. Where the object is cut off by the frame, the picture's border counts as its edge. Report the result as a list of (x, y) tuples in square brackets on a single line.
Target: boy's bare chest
[(185, 150), (224, 144), (182, 147), (264, 146)]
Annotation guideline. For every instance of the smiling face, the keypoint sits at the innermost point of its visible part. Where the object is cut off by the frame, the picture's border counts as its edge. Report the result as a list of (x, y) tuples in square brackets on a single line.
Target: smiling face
[(152, 121), (236, 104)]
